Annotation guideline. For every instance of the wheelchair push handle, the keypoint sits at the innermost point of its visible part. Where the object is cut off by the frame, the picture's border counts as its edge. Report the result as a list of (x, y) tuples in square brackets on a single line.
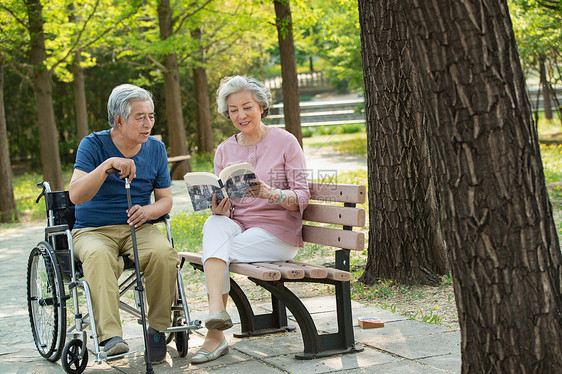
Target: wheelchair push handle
[(46, 188)]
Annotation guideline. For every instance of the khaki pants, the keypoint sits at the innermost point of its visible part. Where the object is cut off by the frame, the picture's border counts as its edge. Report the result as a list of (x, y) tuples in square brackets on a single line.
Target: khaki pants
[(99, 248)]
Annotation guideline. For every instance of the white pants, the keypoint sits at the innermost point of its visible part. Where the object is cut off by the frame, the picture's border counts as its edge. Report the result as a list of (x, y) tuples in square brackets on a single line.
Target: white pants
[(224, 239)]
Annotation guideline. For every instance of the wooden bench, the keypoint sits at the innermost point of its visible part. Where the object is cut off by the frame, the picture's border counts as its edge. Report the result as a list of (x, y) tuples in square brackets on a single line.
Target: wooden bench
[(273, 276), (175, 161)]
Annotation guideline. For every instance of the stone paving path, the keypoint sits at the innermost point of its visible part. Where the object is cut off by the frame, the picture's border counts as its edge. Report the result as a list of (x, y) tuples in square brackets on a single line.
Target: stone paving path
[(402, 346)]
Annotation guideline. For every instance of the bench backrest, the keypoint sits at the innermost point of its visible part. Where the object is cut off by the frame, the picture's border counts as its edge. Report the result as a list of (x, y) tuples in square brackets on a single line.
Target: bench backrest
[(348, 216)]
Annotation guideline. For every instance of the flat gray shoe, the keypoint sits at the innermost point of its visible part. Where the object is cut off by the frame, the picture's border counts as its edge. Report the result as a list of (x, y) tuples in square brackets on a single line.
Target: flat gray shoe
[(218, 321), (115, 346), (203, 355)]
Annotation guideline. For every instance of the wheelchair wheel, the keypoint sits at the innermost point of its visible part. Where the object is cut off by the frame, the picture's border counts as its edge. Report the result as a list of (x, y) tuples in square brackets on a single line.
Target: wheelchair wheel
[(74, 357), (45, 302), (182, 342)]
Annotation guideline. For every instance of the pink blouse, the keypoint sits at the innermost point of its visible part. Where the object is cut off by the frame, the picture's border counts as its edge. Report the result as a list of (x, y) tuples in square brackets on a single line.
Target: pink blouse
[(279, 161)]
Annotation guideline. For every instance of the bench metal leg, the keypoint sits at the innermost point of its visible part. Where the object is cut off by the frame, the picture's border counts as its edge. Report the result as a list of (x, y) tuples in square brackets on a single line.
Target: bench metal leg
[(318, 345), (252, 324)]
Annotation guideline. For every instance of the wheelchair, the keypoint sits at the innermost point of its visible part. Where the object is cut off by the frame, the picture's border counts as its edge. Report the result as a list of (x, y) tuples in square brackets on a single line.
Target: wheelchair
[(53, 279)]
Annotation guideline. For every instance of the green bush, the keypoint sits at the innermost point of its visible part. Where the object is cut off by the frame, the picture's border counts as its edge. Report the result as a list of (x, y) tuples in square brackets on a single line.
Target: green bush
[(307, 132)]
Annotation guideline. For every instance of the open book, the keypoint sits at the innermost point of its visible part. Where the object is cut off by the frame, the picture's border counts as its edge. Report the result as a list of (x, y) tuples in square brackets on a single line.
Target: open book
[(232, 182)]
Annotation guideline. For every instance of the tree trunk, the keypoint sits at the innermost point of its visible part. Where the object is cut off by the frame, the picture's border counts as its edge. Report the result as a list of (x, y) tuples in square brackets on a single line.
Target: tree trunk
[(205, 142), (8, 208), (82, 129), (176, 127), (405, 242), (290, 82), (545, 90), (48, 137), (497, 218)]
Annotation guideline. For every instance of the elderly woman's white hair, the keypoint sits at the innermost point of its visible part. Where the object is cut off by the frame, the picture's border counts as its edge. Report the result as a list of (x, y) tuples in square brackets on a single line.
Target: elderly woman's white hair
[(237, 83), (119, 103)]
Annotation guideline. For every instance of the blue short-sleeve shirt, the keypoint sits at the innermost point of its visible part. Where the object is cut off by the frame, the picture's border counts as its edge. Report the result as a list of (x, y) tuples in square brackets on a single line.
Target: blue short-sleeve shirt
[(109, 205)]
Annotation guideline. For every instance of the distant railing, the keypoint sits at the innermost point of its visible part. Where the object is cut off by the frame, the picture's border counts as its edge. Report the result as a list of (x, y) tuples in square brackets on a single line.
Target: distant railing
[(534, 91), (313, 79)]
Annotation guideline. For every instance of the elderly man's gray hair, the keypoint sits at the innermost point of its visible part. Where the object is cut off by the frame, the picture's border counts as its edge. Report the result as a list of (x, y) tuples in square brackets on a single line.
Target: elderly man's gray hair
[(237, 83), (119, 103)]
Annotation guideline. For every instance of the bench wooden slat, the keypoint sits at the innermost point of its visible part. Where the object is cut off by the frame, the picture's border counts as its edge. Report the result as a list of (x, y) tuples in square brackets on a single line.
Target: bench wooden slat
[(191, 257), (331, 273), (313, 272), (256, 271), (334, 237), (178, 158), (343, 193), (287, 270), (249, 270), (337, 215)]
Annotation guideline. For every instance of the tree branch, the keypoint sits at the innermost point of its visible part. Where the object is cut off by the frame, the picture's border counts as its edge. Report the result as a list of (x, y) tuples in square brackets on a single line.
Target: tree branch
[(189, 15), (157, 63), (24, 77), (21, 22)]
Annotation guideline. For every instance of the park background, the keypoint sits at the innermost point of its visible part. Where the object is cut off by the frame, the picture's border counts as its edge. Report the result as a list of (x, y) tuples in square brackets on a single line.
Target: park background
[(180, 51)]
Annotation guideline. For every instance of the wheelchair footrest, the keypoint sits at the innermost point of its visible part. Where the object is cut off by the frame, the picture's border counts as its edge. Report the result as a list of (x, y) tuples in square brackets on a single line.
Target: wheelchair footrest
[(103, 356), (193, 326)]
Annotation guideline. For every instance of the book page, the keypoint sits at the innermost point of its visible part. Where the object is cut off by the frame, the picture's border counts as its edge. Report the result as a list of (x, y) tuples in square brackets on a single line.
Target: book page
[(201, 187), (202, 196), (236, 179)]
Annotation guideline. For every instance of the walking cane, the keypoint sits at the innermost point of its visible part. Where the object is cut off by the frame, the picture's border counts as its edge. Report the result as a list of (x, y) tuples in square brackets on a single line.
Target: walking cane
[(139, 286)]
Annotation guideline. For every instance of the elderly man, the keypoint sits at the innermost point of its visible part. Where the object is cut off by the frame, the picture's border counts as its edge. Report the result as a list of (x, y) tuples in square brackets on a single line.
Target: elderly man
[(102, 232)]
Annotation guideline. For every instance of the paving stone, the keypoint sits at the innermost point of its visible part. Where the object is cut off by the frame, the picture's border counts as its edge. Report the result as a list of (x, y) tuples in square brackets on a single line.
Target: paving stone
[(401, 366), (450, 362), (279, 344), (365, 359), (422, 346)]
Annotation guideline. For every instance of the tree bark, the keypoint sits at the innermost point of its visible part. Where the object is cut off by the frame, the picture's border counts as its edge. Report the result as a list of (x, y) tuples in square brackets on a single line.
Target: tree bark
[(545, 90), (82, 129), (290, 82), (8, 208), (497, 218), (405, 241), (176, 127), (205, 142), (48, 136)]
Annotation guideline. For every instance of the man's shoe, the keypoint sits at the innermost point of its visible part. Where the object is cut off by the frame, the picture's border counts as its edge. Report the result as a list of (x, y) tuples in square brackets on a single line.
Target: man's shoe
[(115, 346), (203, 355), (156, 346), (218, 321)]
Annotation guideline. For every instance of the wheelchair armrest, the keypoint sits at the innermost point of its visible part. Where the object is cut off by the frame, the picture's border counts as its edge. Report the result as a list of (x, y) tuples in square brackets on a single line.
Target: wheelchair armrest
[(161, 219), (56, 229)]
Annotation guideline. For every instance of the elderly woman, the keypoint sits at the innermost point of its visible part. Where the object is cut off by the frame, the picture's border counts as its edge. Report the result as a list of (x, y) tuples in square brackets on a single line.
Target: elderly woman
[(266, 227)]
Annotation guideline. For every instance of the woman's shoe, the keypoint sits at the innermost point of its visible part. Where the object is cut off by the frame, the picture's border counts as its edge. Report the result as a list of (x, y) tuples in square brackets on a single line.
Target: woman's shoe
[(218, 321), (203, 355)]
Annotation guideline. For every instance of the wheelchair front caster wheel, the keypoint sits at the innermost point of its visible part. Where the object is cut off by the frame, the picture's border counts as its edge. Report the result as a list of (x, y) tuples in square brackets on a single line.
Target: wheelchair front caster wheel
[(182, 342), (74, 357)]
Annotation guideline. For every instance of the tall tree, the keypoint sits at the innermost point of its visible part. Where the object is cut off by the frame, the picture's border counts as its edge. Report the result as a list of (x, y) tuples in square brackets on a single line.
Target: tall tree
[(41, 82), (290, 83), (8, 208), (176, 127), (497, 218), (78, 86), (202, 106), (405, 242)]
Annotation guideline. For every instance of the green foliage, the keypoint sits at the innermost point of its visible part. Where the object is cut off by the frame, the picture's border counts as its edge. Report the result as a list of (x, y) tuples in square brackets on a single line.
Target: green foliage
[(335, 37), (538, 31), (552, 162), (187, 230)]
